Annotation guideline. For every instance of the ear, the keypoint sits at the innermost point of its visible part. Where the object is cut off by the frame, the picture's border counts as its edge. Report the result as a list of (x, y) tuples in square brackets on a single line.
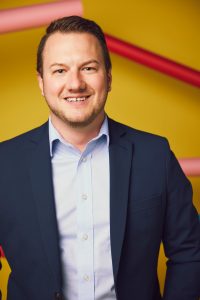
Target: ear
[(109, 79), (41, 84)]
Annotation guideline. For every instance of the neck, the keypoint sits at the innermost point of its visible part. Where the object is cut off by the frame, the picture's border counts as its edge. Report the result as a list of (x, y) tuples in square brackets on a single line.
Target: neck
[(78, 136)]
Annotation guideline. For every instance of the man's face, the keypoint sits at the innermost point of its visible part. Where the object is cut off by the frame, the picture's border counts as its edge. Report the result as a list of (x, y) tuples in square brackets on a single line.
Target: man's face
[(75, 83)]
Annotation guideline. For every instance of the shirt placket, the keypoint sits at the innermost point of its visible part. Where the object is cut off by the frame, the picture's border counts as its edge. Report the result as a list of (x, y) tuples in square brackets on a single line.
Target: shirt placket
[(85, 230)]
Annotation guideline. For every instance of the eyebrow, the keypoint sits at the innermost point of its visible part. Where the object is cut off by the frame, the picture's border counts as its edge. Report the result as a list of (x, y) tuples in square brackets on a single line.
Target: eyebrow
[(90, 62), (57, 64), (83, 64)]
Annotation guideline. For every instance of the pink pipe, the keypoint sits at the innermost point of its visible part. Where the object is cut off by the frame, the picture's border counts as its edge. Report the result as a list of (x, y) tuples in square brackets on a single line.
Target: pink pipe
[(153, 61), (190, 166), (37, 15)]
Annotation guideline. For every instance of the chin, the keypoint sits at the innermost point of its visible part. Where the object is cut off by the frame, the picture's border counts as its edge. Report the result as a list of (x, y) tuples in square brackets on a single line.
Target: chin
[(81, 122), (78, 123)]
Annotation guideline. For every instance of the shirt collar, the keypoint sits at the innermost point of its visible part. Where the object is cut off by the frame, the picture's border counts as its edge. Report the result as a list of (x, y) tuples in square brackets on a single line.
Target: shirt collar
[(55, 136)]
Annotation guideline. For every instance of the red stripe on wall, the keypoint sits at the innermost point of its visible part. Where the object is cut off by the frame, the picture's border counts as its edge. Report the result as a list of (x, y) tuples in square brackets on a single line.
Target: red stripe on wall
[(1, 252), (153, 61)]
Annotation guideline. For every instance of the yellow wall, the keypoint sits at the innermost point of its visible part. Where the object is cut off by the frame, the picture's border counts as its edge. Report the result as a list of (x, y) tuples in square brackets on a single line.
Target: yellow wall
[(140, 97)]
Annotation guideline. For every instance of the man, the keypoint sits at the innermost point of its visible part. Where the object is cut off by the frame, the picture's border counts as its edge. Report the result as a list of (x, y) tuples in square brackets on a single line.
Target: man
[(86, 201)]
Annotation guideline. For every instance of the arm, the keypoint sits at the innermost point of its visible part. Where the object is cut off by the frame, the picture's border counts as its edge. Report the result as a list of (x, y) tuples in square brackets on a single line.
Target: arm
[(181, 237)]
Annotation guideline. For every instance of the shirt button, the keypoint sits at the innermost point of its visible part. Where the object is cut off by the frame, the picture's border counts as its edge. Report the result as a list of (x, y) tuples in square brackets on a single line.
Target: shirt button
[(58, 296), (85, 237), (86, 277), (84, 159), (84, 196)]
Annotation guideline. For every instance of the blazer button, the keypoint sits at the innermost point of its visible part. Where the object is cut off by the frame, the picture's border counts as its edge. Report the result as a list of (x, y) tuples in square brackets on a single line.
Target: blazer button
[(58, 296)]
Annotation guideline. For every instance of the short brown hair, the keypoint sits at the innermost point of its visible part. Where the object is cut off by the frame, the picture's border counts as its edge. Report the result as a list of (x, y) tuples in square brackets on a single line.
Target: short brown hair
[(74, 24)]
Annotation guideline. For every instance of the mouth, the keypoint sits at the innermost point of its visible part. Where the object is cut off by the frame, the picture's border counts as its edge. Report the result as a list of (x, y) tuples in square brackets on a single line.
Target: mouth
[(76, 99)]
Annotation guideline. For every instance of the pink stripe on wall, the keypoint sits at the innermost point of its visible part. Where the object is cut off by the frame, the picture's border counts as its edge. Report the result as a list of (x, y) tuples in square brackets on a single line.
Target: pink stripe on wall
[(37, 15), (190, 166)]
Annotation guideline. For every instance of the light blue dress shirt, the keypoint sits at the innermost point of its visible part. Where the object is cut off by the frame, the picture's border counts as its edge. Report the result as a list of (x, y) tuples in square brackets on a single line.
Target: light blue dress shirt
[(81, 188)]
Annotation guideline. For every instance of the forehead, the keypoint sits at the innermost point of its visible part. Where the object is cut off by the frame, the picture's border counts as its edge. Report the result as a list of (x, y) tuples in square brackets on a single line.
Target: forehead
[(72, 45)]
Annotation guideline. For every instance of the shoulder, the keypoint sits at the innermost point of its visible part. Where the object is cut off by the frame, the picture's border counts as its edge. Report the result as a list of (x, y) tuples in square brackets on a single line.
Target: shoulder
[(140, 139), (23, 140)]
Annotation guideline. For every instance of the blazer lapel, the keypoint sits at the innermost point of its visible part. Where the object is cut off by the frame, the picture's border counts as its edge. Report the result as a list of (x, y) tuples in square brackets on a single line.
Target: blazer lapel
[(120, 152), (41, 179)]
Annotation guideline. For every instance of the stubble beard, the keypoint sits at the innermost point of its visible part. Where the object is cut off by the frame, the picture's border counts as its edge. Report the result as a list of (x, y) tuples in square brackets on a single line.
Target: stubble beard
[(88, 119)]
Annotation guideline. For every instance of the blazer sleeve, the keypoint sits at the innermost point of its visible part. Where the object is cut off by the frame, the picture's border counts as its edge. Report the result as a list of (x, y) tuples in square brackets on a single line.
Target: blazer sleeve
[(181, 237)]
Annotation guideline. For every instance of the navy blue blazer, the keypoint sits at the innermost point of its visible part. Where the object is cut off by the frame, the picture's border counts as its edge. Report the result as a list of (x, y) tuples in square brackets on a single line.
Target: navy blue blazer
[(150, 203)]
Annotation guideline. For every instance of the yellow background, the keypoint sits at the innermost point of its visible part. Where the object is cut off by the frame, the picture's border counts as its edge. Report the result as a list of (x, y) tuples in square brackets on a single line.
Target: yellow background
[(140, 97)]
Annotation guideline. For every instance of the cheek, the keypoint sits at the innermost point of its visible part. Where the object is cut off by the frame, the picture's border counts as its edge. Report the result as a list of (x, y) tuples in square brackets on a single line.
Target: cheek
[(53, 87), (99, 84), (103, 88)]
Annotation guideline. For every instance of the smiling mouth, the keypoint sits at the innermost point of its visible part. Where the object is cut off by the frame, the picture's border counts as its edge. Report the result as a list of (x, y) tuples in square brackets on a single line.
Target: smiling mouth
[(76, 99)]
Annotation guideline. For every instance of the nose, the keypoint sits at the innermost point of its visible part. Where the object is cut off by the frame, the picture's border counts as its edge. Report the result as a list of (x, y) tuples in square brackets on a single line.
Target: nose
[(75, 82)]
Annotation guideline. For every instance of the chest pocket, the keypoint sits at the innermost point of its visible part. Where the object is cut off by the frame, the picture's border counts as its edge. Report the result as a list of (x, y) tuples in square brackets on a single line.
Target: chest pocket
[(145, 218), (145, 204)]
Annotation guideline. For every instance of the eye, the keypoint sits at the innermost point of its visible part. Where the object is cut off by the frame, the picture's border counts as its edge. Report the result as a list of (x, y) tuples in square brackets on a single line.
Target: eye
[(89, 69), (59, 71)]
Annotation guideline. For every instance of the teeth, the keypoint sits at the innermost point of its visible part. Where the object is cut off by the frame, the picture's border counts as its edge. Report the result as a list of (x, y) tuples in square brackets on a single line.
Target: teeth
[(74, 99)]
